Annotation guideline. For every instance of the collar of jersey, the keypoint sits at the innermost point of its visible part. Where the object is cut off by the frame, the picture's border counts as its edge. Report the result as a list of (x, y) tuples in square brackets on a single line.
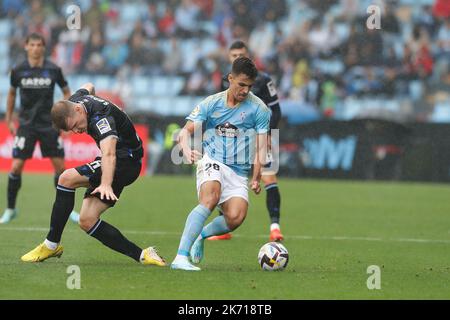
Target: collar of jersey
[(226, 101), (85, 109)]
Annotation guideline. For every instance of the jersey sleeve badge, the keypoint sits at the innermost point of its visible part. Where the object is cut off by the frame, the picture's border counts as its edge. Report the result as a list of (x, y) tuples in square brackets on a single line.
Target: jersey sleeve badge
[(271, 88), (195, 112), (103, 126)]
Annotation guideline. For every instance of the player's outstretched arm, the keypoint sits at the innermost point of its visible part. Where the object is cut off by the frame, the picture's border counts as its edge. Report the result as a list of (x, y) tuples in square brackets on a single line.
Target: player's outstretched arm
[(260, 160), (66, 92), (9, 110), (108, 148), (89, 87)]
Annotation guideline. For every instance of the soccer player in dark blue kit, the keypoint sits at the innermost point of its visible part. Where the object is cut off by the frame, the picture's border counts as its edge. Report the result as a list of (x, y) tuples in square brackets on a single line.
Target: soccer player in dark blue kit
[(36, 78), (264, 89), (105, 177)]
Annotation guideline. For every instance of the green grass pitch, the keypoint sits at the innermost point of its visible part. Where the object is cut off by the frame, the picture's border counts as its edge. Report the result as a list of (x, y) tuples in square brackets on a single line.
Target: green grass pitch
[(334, 231)]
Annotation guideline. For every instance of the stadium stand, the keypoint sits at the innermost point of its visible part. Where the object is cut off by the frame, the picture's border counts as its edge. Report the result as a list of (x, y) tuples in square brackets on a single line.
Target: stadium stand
[(161, 56)]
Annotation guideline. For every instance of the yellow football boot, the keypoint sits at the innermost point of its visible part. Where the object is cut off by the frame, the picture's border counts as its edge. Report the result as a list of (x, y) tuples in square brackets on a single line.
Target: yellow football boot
[(151, 256), (41, 253)]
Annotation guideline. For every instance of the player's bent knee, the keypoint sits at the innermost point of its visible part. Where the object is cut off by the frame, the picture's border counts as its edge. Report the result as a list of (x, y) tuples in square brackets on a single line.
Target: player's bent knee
[(86, 223), (269, 179), (66, 179), (235, 219), (211, 200)]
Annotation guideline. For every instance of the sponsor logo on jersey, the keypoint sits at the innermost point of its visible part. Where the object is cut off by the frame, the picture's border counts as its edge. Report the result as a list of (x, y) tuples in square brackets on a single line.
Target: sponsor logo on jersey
[(36, 82), (103, 126), (227, 130)]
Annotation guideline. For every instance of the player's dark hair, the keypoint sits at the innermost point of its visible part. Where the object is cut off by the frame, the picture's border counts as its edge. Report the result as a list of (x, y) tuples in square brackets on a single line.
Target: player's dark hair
[(62, 110), (35, 36), (238, 44), (246, 66)]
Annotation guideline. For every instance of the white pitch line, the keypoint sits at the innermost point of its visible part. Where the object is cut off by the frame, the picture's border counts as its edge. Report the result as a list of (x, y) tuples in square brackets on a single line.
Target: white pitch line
[(289, 237)]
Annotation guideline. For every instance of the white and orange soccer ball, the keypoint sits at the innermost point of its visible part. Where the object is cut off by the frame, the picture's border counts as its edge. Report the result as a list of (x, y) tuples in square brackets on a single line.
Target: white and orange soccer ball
[(273, 256)]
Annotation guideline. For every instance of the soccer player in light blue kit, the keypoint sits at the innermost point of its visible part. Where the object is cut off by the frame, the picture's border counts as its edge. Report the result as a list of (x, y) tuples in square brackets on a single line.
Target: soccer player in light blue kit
[(237, 125)]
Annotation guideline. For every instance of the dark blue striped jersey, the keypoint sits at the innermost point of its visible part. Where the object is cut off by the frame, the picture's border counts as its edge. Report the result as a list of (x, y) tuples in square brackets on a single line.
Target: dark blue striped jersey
[(106, 119), (37, 86)]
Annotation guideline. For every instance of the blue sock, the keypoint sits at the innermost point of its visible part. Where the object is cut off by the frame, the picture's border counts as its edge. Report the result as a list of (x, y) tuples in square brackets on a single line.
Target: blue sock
[(194, 225), (216, 227)]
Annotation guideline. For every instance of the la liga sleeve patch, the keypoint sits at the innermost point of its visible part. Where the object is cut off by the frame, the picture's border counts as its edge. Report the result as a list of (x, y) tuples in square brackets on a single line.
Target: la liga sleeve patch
[(103, 126)]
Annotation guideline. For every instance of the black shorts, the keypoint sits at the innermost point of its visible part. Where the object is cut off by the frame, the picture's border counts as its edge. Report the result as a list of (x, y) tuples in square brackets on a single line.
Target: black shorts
[(127, 171), (26, 138)]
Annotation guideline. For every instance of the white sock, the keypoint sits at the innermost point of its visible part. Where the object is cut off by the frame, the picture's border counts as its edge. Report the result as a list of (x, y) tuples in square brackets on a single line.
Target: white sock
[(274, 226), (50, 245), (180, 257), (141, 257)]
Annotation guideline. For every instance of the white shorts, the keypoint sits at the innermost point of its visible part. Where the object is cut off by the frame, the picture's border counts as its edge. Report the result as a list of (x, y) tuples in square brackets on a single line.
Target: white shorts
[(231, 184)]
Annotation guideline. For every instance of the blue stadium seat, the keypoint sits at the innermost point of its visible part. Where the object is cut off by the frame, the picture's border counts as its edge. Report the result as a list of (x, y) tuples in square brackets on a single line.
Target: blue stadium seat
[(4, 48), (208, 46), (183, 105), (5, 28), (441, 112), (131, 12), (4, 84), (4, 65), (176, 85), (161, 86), (163, 105), (102, 82), (164, 45), (416, 89), (140, 85), (75, 82), (141, 104), (3, 98)]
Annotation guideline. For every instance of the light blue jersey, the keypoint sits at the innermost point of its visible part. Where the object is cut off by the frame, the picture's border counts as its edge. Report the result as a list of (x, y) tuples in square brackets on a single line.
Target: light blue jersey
[(231, 131)]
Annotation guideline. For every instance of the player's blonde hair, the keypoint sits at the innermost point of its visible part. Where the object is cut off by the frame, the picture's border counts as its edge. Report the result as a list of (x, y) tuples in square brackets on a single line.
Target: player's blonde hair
[(62, 110)]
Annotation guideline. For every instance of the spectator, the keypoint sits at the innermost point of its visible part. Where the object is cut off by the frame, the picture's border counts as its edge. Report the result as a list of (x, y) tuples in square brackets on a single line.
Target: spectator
[(261, 40), (138, 57), (441, 9), (94, 45), (243, 16), (186, 16), (138, 30), (155, 58), (114, 54), (173, 59), (197, 81), (93, 15), (443, 40), (12, 8), (116, 31), (166, 24)]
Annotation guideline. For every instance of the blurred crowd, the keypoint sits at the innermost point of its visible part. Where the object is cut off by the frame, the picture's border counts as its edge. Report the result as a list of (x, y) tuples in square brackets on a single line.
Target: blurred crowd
[(319, 52)]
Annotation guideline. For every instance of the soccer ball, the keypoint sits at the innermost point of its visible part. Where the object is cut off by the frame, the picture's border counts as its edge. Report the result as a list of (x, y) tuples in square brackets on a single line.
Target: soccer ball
[(273, 256)]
